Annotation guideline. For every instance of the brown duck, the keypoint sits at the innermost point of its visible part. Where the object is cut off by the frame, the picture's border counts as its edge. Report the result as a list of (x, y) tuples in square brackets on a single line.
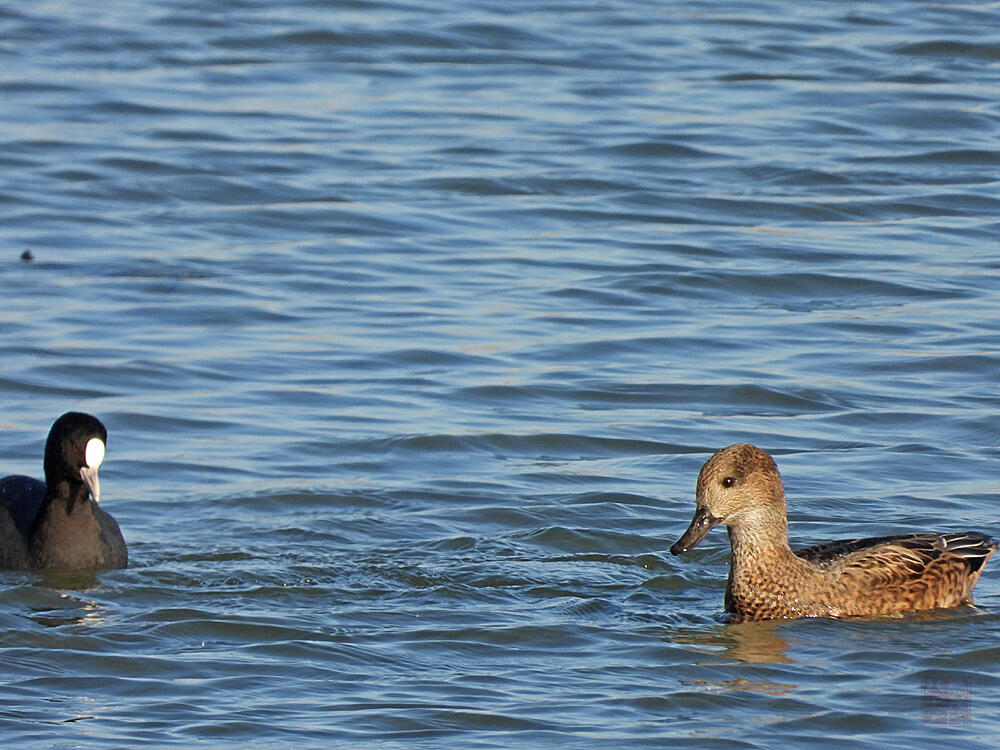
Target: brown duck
[(740, 487)]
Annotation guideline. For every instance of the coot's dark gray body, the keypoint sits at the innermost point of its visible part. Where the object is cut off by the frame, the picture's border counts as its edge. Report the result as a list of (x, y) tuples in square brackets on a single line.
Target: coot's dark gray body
[(58, 524)]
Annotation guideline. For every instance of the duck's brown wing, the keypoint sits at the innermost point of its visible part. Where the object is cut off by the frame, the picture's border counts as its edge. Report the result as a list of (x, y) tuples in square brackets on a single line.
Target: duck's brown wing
[(902, 555)]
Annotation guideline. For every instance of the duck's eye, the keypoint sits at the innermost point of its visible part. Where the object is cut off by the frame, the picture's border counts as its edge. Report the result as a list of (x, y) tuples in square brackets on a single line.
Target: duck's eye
[(728, 481)]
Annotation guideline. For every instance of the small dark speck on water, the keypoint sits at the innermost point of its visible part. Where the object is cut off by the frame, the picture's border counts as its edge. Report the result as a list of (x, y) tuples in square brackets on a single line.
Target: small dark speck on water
[(27, 255)]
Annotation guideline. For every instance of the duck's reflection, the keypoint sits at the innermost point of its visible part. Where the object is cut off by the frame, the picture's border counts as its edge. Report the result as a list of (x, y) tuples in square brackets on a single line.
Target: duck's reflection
[(72, 606), (757, 642), (76, 612)]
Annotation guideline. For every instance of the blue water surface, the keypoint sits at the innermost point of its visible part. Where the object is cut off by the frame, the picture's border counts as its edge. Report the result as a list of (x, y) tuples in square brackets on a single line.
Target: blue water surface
[(412, 326)]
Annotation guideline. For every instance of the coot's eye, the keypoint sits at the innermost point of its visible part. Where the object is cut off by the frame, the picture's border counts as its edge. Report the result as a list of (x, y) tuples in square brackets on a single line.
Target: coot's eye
[(728, 481)]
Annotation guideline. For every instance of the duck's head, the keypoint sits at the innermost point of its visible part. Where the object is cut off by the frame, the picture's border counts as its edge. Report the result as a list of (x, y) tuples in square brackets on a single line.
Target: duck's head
[(74, 451), (737, 484)]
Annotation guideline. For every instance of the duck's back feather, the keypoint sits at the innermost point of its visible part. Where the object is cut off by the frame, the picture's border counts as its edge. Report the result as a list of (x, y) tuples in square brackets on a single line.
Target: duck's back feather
[(21, 497), (972, 546)]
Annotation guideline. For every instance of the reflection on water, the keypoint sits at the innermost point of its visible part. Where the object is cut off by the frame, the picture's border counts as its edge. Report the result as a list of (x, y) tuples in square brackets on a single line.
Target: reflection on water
[(75, 612), (74, 580), (741, 683), (757, 642)]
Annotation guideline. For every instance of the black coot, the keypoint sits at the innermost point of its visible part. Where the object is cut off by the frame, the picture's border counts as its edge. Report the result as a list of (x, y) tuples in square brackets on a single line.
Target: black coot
[(57, 524)]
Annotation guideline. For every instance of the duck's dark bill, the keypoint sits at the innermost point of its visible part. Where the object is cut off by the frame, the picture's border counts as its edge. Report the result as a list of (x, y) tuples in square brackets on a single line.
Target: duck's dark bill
[(701, 524)]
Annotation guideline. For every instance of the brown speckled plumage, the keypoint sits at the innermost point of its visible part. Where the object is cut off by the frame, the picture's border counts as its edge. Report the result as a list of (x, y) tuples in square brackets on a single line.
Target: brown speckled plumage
[(740, 487)]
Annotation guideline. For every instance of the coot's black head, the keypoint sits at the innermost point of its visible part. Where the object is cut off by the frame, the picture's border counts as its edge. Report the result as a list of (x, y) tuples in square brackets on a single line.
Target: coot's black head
[(74, 451)]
